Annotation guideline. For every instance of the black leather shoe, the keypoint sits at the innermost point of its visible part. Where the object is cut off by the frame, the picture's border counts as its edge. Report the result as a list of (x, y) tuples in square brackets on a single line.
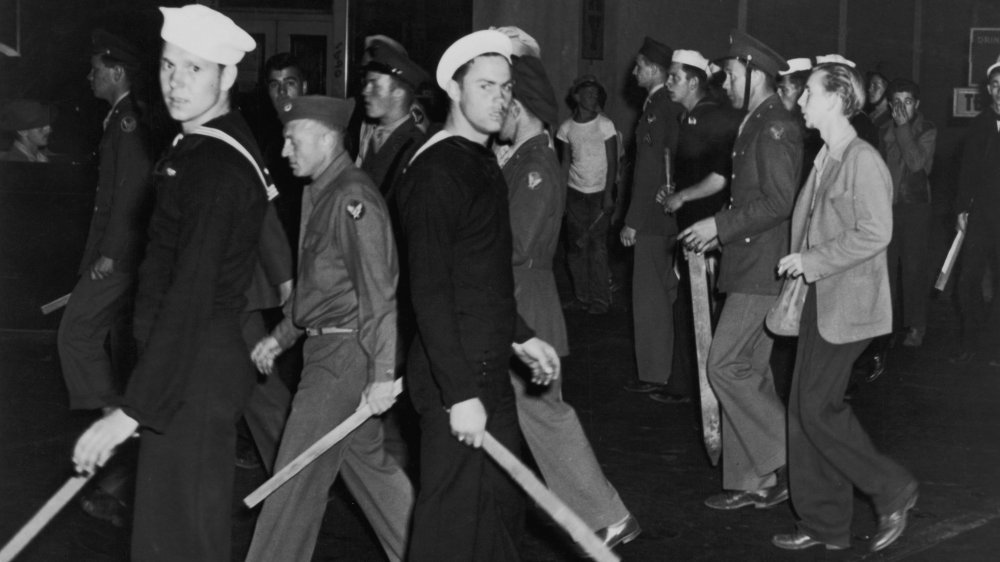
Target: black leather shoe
[(623, 532), (891, 526), (644, 387), (669, 397), (800, 541), (765, 498), (878, 367)]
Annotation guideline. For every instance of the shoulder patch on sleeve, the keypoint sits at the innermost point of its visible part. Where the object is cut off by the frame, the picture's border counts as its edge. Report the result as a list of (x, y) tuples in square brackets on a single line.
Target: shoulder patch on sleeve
[(128, 123), (777, 131), (356, 209), (534, 180)]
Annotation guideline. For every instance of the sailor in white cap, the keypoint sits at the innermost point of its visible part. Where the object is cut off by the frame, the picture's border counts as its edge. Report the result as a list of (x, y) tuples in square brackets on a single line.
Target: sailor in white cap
[(702, 166), (194, 376), (455, 223)]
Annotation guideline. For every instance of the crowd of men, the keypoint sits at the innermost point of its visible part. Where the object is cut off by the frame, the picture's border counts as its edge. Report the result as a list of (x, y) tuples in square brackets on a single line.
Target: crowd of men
[(396, 246)]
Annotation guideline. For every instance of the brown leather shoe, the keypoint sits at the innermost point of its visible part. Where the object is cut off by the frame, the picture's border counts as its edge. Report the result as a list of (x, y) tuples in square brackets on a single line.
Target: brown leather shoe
[(892, 525), (800, 541)]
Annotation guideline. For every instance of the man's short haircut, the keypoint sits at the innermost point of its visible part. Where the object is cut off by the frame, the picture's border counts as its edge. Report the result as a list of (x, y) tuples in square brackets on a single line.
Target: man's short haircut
[(846, 83), (282, 61), (900, 85), (693, 72), (461, 71)]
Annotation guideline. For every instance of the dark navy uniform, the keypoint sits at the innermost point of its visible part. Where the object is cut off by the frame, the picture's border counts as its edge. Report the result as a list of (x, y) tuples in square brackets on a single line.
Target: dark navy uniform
[(195, 375), (116, 232), (704, 147), (654, 285), (457, 237)]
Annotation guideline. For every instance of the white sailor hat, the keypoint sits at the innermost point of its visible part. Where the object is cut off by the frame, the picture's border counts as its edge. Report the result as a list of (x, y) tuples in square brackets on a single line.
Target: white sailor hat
[(691, 58), (206, 33), (521, 43), (468, 48), (992, 67), (807, 63)]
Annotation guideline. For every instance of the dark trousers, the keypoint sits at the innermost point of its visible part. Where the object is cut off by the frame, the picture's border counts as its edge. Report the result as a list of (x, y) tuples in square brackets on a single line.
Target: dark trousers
[(271, 400), (981, 250), (587, 247), (654, 290), (909, 273), (829, 453), (467, 508), (184, 483), (86, 323)]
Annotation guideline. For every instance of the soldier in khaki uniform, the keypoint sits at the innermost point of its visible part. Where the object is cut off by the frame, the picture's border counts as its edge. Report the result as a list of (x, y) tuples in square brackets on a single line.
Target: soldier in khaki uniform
[(345, 302), (753, 233)]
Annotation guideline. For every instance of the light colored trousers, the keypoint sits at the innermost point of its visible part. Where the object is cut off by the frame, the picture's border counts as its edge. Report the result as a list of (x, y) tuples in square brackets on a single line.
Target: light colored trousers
[(333, 378), (563, 453), (753, 417)]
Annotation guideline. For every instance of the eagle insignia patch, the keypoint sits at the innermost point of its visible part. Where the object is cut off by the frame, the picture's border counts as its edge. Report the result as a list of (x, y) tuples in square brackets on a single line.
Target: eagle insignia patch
[(534, 180), (128, 123), (356, 209), (777, 131), (650, 118)]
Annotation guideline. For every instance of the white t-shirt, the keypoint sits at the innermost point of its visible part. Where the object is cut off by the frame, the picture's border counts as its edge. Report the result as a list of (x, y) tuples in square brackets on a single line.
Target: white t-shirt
[(588, 168)]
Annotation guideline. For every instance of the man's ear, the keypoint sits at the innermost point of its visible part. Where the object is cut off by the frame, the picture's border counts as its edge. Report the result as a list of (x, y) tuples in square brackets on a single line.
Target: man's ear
[(454, 90), (305, 87), (916, 105), (228, 77), (117, 73)]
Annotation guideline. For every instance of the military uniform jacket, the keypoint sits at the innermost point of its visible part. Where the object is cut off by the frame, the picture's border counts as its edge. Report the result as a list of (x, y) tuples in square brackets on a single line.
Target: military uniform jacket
[(754, 230), (203, 243), (123, 191), (656, 130), (456, 230), (387, 164), (537, 201), (347, 266)]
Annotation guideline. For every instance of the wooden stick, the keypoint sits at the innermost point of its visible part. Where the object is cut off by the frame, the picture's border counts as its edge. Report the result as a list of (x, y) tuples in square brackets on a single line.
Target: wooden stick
[(314, 451), (43, 516), (50, 307), (949, 262), (560, 512), (711, 432)]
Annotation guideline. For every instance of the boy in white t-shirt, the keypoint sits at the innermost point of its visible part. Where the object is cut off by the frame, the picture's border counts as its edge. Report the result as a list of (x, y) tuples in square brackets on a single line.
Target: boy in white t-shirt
[(588, 143)]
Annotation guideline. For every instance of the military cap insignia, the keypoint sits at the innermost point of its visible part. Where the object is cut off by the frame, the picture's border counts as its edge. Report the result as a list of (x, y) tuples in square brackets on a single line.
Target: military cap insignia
[(128, 123), (651, 117), (356, 209), (692, 120), (534, 180), (777, 131)]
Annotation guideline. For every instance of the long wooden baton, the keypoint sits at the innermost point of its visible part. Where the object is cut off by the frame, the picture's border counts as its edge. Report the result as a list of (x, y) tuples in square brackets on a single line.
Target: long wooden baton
[(559, 511), (50, 307), (703, 341), (52, 507), (949, 261), (314, 451), (45, 514)]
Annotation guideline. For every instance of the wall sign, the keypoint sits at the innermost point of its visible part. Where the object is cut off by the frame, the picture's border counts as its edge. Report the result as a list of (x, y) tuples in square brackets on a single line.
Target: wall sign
[(966, 102), (984, 48)]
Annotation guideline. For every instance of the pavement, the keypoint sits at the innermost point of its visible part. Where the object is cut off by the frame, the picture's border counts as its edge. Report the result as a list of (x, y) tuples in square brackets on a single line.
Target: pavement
[(939, 420)]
